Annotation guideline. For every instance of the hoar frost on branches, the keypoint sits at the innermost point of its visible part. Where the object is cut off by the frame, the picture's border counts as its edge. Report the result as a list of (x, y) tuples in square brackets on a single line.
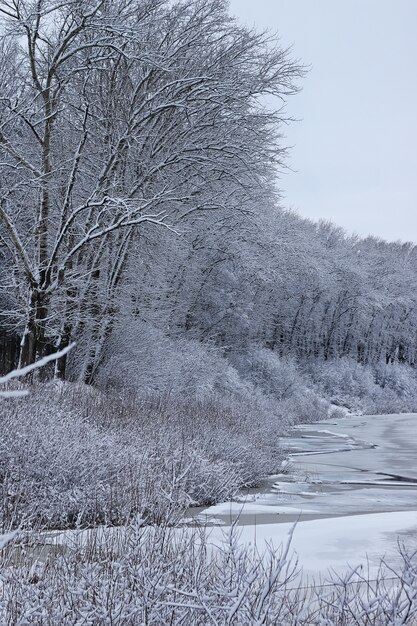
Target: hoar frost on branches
[(113, 115)]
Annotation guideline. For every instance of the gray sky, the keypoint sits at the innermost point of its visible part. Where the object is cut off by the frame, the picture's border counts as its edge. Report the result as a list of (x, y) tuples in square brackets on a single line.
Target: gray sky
[(355, 148)]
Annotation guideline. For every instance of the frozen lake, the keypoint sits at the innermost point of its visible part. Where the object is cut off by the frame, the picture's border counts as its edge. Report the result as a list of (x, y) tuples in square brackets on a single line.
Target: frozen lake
[(355, 465), (352, 487)]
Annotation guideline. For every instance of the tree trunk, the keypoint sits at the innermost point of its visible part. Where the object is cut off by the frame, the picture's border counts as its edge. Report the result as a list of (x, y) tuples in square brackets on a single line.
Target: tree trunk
[(34, 345), (64, 342)]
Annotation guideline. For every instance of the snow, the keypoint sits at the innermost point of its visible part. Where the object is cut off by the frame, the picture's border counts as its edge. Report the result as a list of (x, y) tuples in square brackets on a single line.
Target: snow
[(235, 509), (336, 543)]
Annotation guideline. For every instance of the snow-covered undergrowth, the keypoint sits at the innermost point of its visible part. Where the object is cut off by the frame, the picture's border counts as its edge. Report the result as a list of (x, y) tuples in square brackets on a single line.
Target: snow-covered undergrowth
[(308, 386), (167, 576), (257, 378), (390, 388), (295, 391), (74, 456)]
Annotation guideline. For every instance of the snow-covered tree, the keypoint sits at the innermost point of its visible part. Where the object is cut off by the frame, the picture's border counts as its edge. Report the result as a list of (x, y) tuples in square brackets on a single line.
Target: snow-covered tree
[(113, 115)]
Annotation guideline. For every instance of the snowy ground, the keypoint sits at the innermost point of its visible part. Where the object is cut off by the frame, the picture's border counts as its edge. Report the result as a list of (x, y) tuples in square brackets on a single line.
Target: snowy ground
[(353, 489), (337, 544)]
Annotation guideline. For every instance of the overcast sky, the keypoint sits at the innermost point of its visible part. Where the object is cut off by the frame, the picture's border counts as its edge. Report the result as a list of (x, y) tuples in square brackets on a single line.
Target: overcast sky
[(355, 148)]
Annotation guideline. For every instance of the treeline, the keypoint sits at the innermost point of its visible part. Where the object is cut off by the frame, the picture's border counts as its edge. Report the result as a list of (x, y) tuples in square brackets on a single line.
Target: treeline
[(273, 280), (301, 289)]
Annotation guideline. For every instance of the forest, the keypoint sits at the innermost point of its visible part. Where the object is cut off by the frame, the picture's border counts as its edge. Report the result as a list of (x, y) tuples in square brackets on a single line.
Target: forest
[(144, 236), (140, 215)]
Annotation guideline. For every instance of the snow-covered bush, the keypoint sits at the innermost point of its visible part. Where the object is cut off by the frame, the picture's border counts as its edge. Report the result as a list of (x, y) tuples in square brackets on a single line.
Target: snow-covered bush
[(367, 389), (279, 378), (275, 389), (71, 455), (150, 362), (399, 384), (344, 382), (284, 385), (173, 576), (307, 407)]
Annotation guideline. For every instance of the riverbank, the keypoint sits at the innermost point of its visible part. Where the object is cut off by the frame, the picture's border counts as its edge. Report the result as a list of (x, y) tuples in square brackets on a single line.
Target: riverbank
[(352, 490), (339, 559)]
